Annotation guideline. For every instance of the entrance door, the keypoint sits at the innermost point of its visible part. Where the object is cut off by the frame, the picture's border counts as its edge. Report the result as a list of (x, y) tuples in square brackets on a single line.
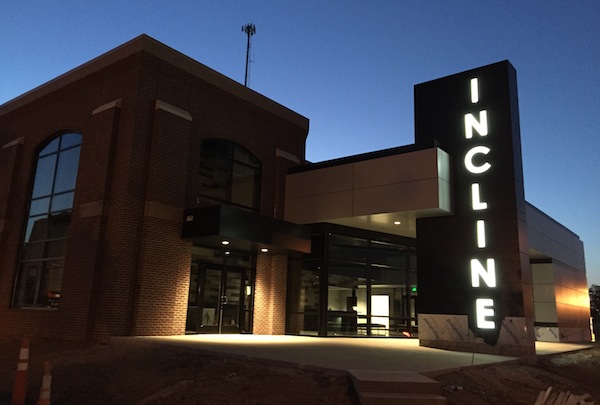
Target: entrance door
[(216, 299)]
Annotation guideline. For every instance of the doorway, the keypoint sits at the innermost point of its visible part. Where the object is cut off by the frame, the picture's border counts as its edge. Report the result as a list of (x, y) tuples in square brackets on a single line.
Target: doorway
[(220, 299)]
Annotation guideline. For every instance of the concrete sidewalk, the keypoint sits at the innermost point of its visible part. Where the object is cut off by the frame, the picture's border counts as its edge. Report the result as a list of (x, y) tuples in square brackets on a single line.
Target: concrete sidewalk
[(345, 353)]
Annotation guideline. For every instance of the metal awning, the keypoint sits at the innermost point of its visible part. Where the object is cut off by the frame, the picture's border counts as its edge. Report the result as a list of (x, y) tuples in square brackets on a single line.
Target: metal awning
[(243, 230)]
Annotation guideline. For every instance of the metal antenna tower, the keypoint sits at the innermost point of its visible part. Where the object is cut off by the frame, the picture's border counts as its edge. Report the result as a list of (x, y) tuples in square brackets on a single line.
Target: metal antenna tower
[(249, 29)]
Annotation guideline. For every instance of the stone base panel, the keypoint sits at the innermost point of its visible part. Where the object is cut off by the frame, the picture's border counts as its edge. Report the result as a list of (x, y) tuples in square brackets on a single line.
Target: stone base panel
[(451, 332)]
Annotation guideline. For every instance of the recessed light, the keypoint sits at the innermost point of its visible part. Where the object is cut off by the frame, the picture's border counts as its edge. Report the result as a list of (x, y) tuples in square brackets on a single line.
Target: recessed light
[(397, 222), (225, 243)]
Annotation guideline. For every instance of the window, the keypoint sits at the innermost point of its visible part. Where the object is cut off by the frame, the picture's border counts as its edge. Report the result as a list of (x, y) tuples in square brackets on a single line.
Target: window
[(354, 282), (39, 276), (228, 174)]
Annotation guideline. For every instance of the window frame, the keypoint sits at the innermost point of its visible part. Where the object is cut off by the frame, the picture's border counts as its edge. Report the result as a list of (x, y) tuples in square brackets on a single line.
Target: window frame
[(51, 243), (227, 154)]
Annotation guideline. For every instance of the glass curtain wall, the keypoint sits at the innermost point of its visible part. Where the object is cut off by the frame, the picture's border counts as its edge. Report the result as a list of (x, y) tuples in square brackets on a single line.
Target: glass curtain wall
[(354, 286), (347, 287), (304, 290), (393, 289)]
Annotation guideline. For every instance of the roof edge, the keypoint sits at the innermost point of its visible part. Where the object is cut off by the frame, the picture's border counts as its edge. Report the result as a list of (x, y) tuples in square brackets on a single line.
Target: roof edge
[(397, 150), (548, 217), (164, 52)]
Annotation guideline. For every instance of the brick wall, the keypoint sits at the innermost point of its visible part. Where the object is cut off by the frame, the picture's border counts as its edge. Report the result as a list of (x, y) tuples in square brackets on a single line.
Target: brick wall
[(126, 266), (162, 281), (68, 109)]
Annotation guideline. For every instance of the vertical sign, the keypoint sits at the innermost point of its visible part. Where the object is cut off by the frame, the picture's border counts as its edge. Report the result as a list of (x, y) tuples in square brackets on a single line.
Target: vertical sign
[(483, 276), (475, 262)]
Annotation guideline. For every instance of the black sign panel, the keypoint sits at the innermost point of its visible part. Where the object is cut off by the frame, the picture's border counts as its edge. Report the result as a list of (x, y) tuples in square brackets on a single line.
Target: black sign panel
[(472, 262)]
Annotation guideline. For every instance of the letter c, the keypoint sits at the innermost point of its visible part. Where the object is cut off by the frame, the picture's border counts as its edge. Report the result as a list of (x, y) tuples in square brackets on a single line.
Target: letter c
[(484, 150)]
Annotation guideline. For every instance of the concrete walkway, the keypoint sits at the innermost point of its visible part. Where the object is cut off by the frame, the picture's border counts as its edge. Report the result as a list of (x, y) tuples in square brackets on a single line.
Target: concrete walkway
[(344, 353)]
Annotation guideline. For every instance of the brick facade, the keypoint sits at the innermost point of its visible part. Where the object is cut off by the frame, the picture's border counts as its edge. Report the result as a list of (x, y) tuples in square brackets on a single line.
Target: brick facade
[(143, 110)]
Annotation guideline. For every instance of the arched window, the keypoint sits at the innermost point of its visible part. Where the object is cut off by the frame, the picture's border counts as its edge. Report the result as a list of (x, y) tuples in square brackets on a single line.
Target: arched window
[(39, 276), (229, 174)]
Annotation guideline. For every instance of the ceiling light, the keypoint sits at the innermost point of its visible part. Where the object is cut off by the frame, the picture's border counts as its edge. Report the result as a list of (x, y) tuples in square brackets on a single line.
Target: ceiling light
[(397, 222), (225, 243)]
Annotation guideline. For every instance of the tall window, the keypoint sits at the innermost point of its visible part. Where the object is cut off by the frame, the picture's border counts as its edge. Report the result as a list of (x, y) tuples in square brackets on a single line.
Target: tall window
[(229, 174), (39, 276)]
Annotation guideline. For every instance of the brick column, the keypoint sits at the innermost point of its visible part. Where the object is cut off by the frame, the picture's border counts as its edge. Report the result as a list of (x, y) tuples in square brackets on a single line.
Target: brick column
[(162, 279), (270, 295)]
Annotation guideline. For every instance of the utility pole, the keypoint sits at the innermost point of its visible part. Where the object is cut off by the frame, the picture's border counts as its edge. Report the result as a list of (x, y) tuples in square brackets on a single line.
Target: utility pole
[(250, 30)]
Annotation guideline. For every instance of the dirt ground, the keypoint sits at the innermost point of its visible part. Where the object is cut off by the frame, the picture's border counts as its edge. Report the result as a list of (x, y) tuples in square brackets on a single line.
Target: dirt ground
[(134, 373), (575, 372)]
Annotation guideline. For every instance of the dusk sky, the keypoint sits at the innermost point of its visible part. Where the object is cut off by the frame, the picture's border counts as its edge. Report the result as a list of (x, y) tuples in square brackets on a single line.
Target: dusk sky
[(350, 67)]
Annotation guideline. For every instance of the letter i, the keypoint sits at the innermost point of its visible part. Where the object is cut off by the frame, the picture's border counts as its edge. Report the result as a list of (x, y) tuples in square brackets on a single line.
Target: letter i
[(474, 90)]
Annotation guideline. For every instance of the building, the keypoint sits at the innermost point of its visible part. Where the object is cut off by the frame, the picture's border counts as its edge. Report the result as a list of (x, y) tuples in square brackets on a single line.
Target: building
[(143, 193)]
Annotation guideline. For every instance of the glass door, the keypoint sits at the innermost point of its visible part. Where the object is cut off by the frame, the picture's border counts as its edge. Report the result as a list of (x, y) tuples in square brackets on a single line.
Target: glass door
[(229, 310), (215, 299), (194, 309), (210, 301)]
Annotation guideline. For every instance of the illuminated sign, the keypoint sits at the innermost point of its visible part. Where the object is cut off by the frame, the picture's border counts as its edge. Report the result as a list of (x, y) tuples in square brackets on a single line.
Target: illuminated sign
[(471, 263), (484, 306)]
